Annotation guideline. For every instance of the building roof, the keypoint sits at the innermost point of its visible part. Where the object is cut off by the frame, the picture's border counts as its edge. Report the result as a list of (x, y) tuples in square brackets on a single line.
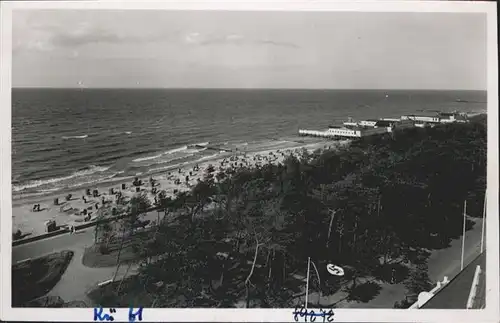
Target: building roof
[(384, 123), (455, 294), (421, 115)]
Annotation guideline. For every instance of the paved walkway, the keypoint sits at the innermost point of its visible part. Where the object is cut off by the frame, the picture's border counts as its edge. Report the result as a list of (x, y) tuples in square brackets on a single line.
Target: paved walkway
[(445, 262), (77, 279)]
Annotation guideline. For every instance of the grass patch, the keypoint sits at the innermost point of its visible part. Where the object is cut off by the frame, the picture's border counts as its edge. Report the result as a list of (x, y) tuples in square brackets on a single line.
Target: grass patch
[(94, 258), (364, 292), (35, 278), (131, 293)]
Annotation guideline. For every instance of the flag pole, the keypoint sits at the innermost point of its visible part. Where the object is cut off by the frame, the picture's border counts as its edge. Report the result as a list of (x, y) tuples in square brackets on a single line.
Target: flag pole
[(319, 282), (307, 279), (463, 238), (483, 224)]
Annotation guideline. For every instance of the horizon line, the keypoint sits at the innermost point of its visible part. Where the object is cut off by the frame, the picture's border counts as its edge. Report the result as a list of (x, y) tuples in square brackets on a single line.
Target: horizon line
[(242, 88)]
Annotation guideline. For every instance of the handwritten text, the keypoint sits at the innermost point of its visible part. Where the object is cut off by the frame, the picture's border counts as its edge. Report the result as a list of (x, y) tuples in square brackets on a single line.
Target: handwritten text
[(311, 315), (133, 314)]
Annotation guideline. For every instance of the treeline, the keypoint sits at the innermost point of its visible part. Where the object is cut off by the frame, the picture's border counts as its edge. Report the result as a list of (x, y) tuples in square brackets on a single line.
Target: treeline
[(242, 237)]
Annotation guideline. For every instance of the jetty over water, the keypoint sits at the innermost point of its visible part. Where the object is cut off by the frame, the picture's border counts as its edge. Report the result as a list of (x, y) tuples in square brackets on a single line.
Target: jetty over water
[(369, 127)]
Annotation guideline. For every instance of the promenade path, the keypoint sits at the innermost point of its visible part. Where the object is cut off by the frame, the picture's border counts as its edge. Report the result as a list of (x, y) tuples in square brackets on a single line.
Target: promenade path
[(77, 279), (444, 262)]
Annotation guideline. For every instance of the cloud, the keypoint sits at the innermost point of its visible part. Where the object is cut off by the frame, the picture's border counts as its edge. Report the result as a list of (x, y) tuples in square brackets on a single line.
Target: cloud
[(94, 35), (234, 39), (50, 36), (278, 43), (192, 38)]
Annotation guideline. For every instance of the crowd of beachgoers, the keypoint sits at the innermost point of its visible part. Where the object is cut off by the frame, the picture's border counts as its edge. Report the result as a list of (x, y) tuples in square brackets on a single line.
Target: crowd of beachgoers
[(73, 208)]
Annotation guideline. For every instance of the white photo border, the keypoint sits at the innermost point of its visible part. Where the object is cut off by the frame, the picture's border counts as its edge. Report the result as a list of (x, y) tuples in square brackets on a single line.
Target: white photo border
[(490, 314)]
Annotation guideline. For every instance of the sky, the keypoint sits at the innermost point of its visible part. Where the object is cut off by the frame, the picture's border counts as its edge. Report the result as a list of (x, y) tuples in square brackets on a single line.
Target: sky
[(224, 49)]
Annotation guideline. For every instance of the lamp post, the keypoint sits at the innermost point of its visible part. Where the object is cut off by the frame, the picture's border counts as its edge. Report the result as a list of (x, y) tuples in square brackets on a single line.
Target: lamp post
[(463, 238), (309, 262), (484, 223), (307, 280)]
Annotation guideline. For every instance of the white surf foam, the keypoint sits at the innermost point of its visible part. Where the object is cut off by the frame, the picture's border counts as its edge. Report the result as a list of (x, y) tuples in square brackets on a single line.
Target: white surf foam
[(176, 150), (206, 143), (185, 151), (208, 157), (84, 172), (74, 137), (138, 160)]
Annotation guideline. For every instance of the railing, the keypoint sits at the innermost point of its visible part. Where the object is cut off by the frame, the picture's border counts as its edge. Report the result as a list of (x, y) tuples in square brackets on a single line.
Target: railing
[(424, 297), (64, 230), (473, 289)]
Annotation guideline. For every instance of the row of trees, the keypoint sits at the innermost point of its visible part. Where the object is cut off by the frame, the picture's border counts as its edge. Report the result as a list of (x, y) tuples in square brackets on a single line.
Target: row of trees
[(242, 236)]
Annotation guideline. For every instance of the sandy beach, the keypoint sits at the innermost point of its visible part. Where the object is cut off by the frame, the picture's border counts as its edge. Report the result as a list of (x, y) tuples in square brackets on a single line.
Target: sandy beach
[(77, 206)]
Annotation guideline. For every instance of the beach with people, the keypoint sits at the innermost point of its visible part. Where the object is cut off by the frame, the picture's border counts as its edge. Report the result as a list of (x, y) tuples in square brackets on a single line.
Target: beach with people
[(73, 207)]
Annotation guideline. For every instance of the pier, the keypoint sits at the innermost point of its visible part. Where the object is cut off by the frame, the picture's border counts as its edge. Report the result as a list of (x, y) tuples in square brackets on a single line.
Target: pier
[(316, 133), (369, 127)]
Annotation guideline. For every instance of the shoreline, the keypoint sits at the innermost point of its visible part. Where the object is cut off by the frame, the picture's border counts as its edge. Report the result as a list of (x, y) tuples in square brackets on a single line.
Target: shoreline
[(34, 197), (66, 213), (169, 178)]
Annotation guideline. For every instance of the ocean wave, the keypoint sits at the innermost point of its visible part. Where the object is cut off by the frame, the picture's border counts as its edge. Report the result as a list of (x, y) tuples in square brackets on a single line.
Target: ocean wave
[(138, 160), (103, 180), (100, 180), (42, 149), (208, 157), (168, 167), (186, 151), (83, 172), (176, 150), (121, 133), (168, 152), (169, 160), (74, 137)]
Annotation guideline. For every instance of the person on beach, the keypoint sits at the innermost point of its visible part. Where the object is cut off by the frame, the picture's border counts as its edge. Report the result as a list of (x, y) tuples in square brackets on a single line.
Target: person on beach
[(393, 276)]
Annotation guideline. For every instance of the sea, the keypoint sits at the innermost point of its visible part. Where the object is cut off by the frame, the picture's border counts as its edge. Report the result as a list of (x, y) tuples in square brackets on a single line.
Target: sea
[(69, 138)]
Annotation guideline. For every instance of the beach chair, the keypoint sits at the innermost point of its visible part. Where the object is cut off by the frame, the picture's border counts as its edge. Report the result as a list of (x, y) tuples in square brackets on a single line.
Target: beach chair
[(65, 208), (50, 226)]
